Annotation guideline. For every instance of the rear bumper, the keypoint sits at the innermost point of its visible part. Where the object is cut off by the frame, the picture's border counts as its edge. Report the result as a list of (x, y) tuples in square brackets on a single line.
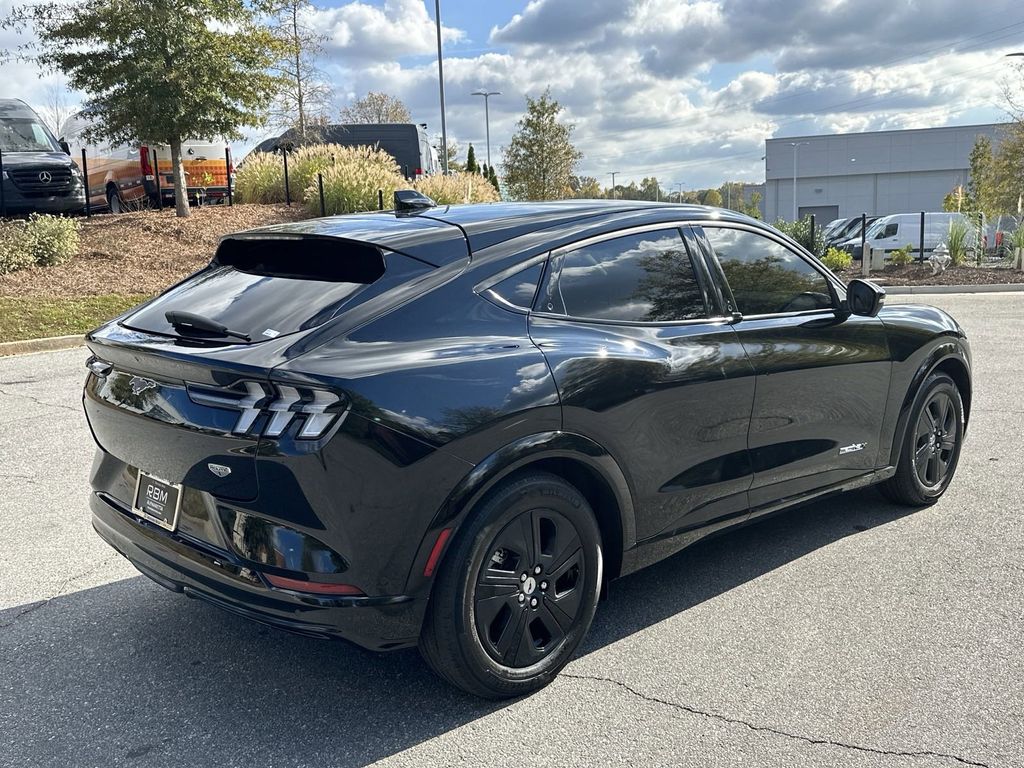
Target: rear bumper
[(376, 622)]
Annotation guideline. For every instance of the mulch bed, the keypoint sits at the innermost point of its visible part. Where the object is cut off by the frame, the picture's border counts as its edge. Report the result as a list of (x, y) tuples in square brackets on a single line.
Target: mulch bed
[(914, 274), (142, 252)]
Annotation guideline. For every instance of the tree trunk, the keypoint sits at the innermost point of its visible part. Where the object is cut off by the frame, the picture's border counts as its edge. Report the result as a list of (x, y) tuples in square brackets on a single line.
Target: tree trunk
[(180, 185), (298, 70)]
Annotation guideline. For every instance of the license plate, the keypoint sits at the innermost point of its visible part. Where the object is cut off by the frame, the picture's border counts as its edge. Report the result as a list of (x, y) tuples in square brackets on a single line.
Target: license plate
[(157, 500)]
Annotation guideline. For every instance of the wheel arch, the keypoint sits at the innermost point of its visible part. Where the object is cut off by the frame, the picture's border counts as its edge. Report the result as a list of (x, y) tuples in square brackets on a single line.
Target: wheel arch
[(576, 459), (947, 358)]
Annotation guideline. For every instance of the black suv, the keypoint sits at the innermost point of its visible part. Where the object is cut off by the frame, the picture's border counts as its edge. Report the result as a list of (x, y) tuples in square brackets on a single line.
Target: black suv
[(39, 176), (451, 427)]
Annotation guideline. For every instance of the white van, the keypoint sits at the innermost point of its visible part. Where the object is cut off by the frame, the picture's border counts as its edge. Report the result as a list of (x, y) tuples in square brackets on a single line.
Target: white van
[(900, 229), (126, 175)]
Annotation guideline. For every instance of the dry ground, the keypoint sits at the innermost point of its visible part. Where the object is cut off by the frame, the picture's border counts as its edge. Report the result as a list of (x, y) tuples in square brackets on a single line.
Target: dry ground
[(142, 252)]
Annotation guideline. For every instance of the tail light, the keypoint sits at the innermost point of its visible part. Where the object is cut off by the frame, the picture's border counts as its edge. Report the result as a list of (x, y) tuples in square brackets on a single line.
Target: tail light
[(269, 409), (419, 171), (144, 163)]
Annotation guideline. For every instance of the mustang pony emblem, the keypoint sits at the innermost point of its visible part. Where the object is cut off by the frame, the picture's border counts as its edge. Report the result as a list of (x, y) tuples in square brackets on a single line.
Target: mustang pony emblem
[(140, 385)]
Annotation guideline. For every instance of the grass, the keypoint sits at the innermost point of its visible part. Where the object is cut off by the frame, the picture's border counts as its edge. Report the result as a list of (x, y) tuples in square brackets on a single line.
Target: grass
[(35, 317)]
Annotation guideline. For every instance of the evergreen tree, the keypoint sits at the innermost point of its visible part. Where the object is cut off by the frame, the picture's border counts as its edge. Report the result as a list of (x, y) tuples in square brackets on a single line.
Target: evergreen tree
[(471, 166)]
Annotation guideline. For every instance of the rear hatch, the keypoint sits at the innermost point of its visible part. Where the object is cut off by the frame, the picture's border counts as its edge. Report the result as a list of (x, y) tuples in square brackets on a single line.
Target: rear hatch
[(184, 403)]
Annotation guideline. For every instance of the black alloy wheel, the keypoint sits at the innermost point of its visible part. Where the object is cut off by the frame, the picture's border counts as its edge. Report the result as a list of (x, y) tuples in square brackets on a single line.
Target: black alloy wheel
[(517, 589), (931, 445), (935, 439), (529, 592)]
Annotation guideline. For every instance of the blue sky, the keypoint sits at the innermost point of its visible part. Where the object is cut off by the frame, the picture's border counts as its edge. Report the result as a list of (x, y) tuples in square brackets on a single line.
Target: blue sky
[(686, 90)]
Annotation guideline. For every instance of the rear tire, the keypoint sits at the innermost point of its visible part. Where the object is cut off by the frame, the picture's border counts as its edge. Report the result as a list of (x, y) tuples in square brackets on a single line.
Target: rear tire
[(114, 202), (517, 591), (931, 446)]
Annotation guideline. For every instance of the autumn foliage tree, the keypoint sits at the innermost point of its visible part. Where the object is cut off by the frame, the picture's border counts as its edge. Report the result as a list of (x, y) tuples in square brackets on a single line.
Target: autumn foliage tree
[(376, 107), (541, 158)]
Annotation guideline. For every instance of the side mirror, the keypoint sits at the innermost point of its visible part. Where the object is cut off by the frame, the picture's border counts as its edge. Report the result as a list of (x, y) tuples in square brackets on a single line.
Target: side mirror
[(65, 146), (864, 298)]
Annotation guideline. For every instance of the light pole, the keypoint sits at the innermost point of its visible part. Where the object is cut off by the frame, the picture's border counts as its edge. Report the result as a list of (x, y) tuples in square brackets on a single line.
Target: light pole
[(679, 191), (440, 80), (612, 174), (795, 145), (487, 117)]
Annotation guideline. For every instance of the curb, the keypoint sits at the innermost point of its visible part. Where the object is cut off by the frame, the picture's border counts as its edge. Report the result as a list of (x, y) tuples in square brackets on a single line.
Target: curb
[(896, 290), (51, 344)]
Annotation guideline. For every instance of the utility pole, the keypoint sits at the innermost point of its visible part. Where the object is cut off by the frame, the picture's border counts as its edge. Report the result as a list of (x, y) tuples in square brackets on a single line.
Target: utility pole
[(679, 191), (440, 80), (613, 174), (795, 145), (487, 117)]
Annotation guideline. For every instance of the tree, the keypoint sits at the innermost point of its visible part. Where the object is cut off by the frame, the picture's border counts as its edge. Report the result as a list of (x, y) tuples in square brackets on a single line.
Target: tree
[(57, 107), (713, 198), (541, 157), (585, 187), (493, 176), (471, 166), (304, 96), (376, 107), (159, 71)]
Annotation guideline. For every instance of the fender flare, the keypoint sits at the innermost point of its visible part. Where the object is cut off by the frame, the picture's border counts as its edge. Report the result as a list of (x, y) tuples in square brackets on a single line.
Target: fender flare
[(502, 463), (941, 353)]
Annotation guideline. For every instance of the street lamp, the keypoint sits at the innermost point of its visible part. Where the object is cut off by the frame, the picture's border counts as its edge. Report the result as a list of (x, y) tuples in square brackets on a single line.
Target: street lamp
[(440, 80), (613, 174), (487, 117), (679, 190), (795, 145)]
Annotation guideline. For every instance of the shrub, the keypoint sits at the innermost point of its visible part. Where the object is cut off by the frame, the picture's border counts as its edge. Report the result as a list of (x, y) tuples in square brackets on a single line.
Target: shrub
[(54, 239), (464, 188), (837, 260), (260, 179), (801, 232), (956, 241), (902, 256), (351, 184), (15, 246), (43, 240)]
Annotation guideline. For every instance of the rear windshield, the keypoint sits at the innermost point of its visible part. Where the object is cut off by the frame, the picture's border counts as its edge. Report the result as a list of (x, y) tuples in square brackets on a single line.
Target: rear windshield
[(267, 288)]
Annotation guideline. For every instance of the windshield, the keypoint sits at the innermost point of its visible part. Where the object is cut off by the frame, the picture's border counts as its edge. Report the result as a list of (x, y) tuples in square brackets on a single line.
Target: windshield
[(875, 228), (20, 134)]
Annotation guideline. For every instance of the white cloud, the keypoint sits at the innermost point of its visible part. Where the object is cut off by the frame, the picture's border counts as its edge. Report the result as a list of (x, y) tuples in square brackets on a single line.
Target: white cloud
[(400, 28)]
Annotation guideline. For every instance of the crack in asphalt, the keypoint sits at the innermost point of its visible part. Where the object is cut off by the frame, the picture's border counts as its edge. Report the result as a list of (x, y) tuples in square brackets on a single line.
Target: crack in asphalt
[(769, 729), (33, 607), (37, 401)]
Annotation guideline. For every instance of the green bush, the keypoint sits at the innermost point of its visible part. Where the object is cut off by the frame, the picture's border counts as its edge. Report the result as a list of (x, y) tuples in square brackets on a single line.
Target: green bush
[(902, 256), (801, 232), (464, 188), (837, 260), (352, 182), (54, 238), (42, 241), (15, 246)]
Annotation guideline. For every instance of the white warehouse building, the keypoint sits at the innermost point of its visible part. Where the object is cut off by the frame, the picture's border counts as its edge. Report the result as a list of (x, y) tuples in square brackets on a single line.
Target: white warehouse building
[(879, 173)]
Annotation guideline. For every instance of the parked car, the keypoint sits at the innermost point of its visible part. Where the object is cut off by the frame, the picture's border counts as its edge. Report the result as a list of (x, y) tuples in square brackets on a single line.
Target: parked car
[(452, 426), (126, 175), (406, 142), (39, 176), (847, 232), (888, 233), (834, 226)]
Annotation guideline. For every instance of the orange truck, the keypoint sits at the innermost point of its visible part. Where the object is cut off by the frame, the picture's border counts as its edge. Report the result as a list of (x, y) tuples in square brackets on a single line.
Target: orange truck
[(128, 176)]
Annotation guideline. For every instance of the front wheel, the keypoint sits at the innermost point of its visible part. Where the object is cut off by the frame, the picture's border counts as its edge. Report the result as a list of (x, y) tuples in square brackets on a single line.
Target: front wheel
[(518, 590), (931, 445), (114, 201)]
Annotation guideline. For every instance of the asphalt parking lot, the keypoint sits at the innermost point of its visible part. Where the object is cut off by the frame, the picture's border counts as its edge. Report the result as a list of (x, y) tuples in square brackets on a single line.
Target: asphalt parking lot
[(850, 632)]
